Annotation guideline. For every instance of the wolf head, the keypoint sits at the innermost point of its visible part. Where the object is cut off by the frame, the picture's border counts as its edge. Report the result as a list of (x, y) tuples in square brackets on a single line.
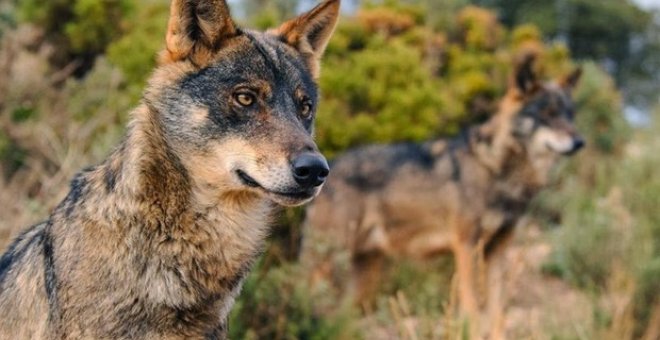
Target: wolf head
[(236, 106), (545, 118), (534, 125)]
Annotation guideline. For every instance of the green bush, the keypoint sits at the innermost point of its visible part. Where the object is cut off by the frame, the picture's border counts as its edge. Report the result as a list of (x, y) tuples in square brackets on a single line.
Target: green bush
[(369, 98), (80, 30), (136, 51)]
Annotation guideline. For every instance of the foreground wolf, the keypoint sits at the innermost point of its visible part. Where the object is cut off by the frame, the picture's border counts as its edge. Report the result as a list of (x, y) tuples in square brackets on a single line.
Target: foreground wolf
[(462, 196), (154, 242)]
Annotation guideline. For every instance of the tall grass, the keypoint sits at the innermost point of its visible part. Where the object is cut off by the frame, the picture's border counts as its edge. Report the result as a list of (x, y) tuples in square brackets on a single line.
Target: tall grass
[(609, 242)]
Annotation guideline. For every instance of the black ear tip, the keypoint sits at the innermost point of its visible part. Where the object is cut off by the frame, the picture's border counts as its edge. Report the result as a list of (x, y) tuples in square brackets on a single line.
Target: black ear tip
[(577, 73), (525, 75), (529, 58), (571, 80), (332, 5), (527, 62), (526, 57)]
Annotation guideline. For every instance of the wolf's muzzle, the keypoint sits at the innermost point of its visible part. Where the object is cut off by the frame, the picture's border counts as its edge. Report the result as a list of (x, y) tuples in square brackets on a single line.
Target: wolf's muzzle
[(310, 170)]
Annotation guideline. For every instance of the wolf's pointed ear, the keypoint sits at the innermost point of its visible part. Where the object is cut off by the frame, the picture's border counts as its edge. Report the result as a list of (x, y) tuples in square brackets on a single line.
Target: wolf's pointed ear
[(197, 29), (524, 77), (310, 32), (570, 81)]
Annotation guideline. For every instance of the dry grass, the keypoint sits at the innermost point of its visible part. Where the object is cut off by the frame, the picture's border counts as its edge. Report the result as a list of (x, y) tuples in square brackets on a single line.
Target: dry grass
[(45, 137)]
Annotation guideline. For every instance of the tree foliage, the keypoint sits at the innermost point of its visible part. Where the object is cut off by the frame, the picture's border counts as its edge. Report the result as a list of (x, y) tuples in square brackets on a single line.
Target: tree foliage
[(81, 29), (135, 51)]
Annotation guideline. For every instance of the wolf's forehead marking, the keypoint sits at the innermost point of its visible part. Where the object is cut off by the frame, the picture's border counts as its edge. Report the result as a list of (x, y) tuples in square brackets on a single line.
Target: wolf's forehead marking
[(283, 63), (267, 52), (560, 95), (564, 99)]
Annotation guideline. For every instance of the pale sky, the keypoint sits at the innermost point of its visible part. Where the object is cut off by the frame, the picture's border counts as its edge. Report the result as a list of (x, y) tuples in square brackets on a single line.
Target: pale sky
[(649, 3)]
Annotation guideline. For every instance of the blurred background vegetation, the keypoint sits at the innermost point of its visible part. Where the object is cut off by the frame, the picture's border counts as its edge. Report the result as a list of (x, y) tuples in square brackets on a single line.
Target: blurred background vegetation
[(70, 70)]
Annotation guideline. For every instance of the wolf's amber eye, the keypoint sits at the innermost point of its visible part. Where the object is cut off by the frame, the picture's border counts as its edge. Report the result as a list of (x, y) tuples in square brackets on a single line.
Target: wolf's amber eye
[(244, 98), (306, 108)]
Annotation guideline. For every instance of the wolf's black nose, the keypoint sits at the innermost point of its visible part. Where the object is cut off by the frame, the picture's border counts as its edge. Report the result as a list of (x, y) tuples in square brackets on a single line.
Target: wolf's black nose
[(578, 143), (310, 170)]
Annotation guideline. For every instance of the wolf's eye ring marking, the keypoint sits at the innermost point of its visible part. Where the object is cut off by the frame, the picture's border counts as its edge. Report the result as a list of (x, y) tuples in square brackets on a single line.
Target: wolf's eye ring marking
[(245, 99), (306, 109)]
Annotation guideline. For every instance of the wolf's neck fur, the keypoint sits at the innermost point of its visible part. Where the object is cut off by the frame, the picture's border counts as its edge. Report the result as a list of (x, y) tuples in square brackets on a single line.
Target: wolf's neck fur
[(200, 252), (504, 156)]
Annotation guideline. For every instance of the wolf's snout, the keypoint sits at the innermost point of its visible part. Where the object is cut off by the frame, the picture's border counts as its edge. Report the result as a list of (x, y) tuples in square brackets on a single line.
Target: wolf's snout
[(310, 170)]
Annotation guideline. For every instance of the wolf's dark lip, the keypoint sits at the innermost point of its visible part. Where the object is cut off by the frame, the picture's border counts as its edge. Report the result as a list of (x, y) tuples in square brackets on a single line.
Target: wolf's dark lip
[(294, 195), (251, 182), (247, 180)]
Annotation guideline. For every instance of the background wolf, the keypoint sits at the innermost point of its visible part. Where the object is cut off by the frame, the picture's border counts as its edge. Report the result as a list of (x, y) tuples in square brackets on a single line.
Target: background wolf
[(155, 241), (462, 196)]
